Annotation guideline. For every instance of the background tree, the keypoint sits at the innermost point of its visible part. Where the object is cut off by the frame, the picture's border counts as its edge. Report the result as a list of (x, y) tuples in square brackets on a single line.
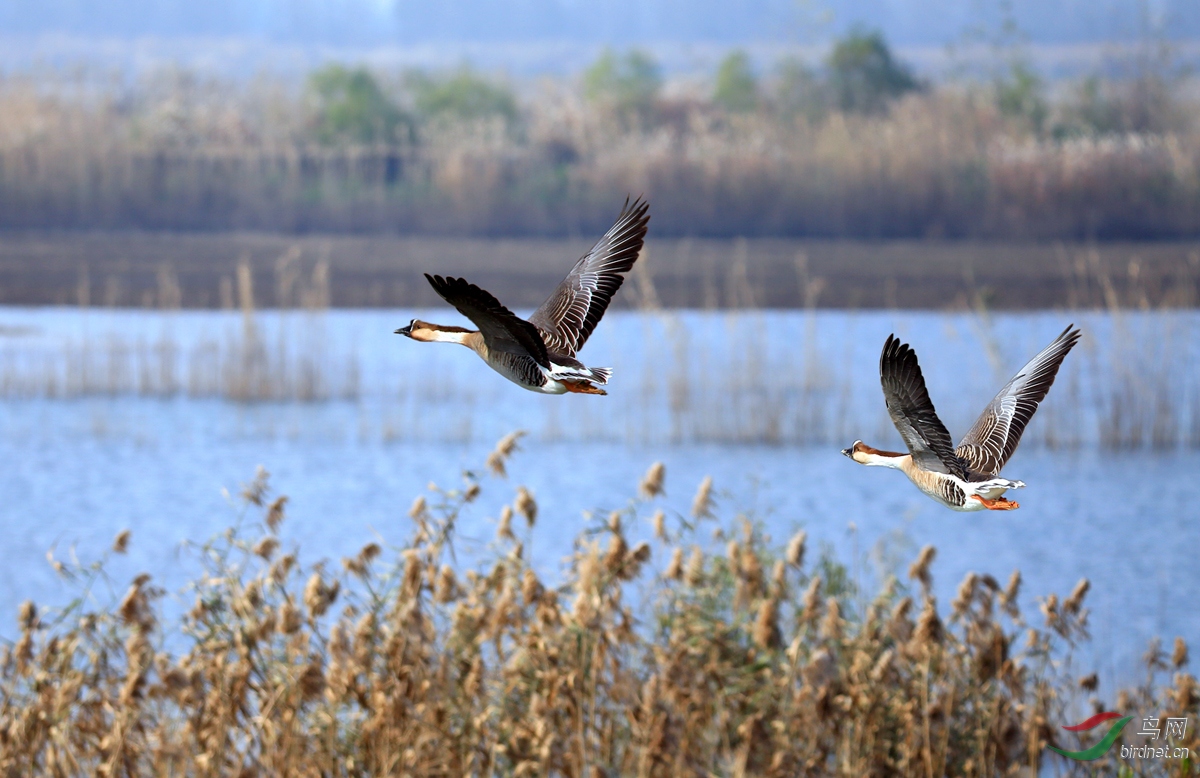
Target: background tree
[(736, 89), (1019, 94), (798, 91), (462, 96), (630, 83), (864, 76), (351, 107)]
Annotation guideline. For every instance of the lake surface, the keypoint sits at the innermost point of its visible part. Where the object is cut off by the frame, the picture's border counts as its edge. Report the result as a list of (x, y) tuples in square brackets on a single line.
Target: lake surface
[(99, 448)]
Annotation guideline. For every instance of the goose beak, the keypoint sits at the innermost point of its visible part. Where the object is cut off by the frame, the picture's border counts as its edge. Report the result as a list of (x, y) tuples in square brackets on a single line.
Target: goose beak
[(405, 331), (848, 452)]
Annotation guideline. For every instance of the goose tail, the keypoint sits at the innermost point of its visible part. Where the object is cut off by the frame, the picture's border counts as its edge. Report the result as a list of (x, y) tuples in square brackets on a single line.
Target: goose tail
[(601, 374)]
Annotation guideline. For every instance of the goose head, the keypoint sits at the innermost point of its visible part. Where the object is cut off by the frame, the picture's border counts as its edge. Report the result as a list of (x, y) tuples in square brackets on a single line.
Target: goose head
[(432, 333), (866, 455)]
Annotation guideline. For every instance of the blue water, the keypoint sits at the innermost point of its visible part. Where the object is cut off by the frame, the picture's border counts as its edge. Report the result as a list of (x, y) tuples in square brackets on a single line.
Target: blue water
[(77, 470), (688, 377)]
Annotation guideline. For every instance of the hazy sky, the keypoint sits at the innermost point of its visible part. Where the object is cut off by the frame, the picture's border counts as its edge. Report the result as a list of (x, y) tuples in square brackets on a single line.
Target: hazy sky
[(620, 22), (531, 35)]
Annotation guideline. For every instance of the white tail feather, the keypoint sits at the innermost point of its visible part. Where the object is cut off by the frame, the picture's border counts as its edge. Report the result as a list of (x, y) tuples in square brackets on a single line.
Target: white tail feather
[(598, 374), (994, 487)]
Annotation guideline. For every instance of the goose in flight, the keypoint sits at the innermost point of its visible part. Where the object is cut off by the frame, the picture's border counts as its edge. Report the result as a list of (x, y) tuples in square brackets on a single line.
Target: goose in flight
[(539, 354), (965, 478)]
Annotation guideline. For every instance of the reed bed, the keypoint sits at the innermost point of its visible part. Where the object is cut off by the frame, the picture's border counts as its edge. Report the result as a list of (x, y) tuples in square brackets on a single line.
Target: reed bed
[(710, 649), (741, 375), (241, 366), (776, 378), (242, 363), (183, 153)]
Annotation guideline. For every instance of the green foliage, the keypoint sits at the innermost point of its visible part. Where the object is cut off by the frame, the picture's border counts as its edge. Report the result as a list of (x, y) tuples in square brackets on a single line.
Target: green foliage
[(798, 91), (1090, 109), (1019, 94), (1097, 107), (736, 89), (835, 575), (463, 96), (864, 76), (630, 82), (352, 108)]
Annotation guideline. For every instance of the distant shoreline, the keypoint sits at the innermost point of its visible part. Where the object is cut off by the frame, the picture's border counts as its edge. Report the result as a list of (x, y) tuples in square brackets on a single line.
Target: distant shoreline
[(199, 270)]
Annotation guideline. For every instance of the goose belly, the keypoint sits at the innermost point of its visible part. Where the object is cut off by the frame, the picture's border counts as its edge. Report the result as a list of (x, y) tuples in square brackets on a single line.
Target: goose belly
[(949, 491), (550, 387), (526, 373)]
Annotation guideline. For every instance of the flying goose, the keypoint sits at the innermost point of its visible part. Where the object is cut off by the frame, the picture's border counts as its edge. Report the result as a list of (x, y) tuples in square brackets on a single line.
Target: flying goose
[(539, 354), (963, 478)]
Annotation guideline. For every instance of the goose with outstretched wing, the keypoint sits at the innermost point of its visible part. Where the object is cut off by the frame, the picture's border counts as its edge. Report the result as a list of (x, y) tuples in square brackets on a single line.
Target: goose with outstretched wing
[(963, 477), (539, 354)]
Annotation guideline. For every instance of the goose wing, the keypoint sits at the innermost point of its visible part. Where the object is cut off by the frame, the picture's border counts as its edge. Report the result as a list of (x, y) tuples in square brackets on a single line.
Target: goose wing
[(912, 411), (991, 442), (569, 315), (502, 330)]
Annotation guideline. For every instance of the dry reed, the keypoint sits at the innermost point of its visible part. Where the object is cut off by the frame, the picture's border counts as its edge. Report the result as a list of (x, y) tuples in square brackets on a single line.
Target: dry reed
[(242, 364), (1128, 387), (189, 155), (403, 663)]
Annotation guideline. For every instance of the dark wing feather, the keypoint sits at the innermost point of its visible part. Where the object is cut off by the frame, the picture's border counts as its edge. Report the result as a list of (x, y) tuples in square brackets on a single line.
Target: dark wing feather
[(991, 442), (502, 330), (912, 411), (569, 315)]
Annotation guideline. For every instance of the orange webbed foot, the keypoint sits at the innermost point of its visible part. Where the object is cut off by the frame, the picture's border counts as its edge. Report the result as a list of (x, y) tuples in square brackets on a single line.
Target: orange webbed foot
[(582, 387), (998, 504)]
